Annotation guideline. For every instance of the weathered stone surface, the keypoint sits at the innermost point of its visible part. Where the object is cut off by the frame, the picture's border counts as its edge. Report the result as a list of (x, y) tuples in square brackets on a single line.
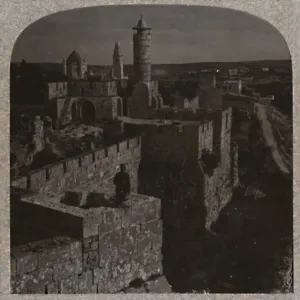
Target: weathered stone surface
[(67, 269), (159, 285), (37, 280), (68, 285), (75, 250), (52, 288), (85, 282), (53, 255), (26, 261)]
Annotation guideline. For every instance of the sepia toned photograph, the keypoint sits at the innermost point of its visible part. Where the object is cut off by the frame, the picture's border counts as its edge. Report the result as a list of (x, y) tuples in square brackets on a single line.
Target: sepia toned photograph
[(151, 151)]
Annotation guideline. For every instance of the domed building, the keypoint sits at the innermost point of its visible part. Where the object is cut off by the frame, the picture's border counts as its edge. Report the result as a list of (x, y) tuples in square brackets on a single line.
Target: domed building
[(76, 67)]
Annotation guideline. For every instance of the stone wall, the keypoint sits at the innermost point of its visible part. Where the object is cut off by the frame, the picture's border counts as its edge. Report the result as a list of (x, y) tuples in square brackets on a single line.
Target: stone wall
[(107, 108), (56, 90), (85, 88), (173, 142), (99, 165), (118, 247)]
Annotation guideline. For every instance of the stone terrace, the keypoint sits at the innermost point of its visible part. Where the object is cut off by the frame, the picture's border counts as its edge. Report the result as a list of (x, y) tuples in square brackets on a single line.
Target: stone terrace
[(100, 248)]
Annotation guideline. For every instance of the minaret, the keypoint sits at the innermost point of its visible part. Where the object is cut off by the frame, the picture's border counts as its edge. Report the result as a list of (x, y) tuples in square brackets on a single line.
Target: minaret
[(118, 71), (141, 52), (64, 67)]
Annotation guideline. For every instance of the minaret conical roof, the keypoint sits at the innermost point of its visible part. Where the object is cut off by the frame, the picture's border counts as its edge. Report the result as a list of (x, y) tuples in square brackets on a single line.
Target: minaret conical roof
[(141, 24), (117, 51)]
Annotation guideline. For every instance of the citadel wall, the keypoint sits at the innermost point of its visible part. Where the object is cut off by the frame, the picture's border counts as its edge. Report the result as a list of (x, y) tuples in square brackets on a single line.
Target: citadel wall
[(55, 90), (113, 248), (99, 165), (173, 143), (93, 88)]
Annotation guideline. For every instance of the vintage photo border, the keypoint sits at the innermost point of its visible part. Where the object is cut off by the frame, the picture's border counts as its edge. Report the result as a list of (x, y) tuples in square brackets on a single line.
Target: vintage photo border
[(16, 15)]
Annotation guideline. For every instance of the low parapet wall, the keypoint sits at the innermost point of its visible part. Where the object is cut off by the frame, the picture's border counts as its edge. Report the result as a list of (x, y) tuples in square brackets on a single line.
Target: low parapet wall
[(99, 163), (119, 246)]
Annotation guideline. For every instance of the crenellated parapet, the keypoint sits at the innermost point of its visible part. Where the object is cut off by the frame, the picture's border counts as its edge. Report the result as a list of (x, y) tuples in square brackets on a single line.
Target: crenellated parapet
[(99, 164)]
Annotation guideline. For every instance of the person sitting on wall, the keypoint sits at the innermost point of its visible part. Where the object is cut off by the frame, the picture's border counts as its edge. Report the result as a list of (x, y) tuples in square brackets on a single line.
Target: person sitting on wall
[(122, 183)]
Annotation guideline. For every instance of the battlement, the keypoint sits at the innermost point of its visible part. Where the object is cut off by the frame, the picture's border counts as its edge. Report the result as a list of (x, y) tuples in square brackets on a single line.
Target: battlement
[(172, 141), (100, 163), (113, 246)]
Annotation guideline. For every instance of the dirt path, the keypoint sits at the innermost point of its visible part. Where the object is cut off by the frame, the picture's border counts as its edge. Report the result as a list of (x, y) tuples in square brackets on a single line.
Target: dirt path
[(269, 137)]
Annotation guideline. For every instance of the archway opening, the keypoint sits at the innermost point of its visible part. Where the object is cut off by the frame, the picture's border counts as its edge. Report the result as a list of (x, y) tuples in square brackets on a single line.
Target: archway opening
[(88, 113)]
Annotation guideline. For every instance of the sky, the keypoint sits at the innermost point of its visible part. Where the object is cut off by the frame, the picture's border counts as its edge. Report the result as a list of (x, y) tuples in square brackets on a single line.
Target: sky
[(180, 34)]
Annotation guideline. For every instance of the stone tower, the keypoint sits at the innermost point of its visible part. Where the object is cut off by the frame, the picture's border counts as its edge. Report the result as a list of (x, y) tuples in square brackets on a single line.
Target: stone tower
[(118, 71), (141, 52)]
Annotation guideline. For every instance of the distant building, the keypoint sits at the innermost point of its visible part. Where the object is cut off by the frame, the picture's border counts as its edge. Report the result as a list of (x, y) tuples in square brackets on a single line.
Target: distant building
[(76, 67), (232, 86)]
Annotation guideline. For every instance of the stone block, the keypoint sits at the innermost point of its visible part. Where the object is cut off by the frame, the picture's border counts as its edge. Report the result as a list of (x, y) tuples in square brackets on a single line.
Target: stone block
[(87, 159), (75, 250), (158, 285), (67, 269), (55, 171), (91, 243), (154, 226), (123, 146), (117, 218), (90, 228), (37, 280), (99, 154), (68, 285), (102, 275), (20, 182), (72, 164), (53, 255), (90, 260), (85, 282), (144, 245), (112, 151), (52, 288), (17, 286), (26, 261), (126, 217), (37, 179)]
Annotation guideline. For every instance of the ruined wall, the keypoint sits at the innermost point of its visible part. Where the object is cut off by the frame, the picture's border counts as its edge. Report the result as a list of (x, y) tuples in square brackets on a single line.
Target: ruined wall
[(55, 90), (107, 108), (118, 246), (205, 137), (99, 165), (92, 88), (218, 187)]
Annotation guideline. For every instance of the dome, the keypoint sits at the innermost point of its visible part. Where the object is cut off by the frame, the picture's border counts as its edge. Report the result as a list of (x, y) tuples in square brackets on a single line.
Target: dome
[(74, 57), (141, 24)]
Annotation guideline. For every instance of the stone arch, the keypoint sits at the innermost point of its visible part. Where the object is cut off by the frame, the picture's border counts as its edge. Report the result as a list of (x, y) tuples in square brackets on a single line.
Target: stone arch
[(88, 112)]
